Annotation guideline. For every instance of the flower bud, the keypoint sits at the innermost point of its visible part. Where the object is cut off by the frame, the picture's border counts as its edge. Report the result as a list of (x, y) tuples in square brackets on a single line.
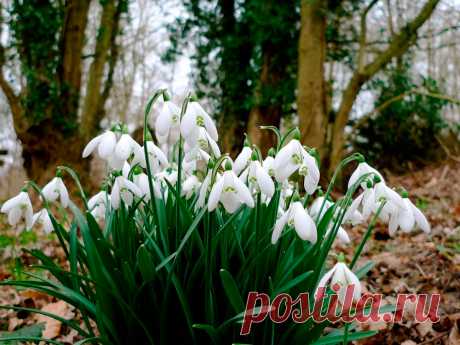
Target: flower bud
[(271, 152)]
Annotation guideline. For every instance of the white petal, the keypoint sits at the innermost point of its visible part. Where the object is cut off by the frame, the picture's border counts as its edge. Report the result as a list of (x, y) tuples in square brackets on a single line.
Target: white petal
[(242, 160), (266, 184), (353, 280), (64, 194), (279, 226), (243, 192), (230, 201), (91, 146), (342, 235), (115, 195), (406, 218), (124, 147), (132, 188), (326, 277), (215, 194), (420, 219), (303, 224), (51, 190), (13, 202), (107, 144), (14, 216)]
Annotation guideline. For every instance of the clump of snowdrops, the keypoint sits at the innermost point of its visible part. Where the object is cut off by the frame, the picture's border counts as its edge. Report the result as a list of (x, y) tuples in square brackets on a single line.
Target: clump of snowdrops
[(179, 234)]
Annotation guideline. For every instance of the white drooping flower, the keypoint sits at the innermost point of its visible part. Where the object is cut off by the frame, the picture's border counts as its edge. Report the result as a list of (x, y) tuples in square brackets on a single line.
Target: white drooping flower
[(204, 190), (242, 160), (167, 124), (125, 147), (268, 165), (258, 180), (123, 189), (293, 157), (157, 159), (105, 144), (169, 175), (142, 181), (18, 208), (56, 189), (314, 211), (44, 219), (231, 192), (190, 186), (407, 218), (363, 169), (316, 207), (299, 218), (196, 117), (98, 204), (340, 274), (203, 141)]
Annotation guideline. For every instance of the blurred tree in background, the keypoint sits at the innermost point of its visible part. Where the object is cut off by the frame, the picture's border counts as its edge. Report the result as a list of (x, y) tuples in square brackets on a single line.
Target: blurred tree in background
[(245, 60), (406, 120), (54, 115), (259, 57)]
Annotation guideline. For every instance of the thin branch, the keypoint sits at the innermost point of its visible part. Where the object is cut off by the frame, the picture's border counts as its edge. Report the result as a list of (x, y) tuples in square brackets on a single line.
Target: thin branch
[(363, 34)]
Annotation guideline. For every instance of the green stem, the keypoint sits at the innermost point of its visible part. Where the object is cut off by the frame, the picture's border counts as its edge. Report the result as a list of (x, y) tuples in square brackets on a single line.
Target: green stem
[(367, 235)]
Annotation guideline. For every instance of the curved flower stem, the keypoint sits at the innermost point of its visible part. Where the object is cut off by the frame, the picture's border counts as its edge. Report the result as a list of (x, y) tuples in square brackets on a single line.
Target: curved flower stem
[(277, 133), (179, 162), (74, 176), (148, 108), (367, 234)]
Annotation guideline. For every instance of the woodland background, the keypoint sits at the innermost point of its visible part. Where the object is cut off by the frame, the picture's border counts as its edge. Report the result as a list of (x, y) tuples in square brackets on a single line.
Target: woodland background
[(376, 76)]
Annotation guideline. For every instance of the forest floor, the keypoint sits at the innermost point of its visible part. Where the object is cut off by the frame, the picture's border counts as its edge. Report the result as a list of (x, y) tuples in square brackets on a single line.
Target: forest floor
[(405, 263)]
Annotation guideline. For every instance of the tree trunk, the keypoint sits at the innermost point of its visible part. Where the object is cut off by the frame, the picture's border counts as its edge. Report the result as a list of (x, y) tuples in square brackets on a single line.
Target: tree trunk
[(265, 112), (399, 44), (311, 97), (341, 119), (72, 42), (91, 106)]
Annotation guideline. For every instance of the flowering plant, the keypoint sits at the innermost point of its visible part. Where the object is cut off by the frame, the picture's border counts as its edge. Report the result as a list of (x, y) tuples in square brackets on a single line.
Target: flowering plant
[(179, 234)]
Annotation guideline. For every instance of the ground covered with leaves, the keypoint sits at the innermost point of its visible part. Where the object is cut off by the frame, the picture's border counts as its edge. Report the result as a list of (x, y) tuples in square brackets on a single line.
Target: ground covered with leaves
[(405, 263)]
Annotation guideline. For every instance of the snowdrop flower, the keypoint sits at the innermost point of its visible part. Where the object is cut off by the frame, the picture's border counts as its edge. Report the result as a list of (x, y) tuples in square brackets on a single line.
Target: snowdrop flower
[(194, 118), (242, 160), (293, 157), (142, 181), (17, 208), (202, 141), (167, 124), (362, 169), (105, 144), (157, 158), (258, 179), (316, 207), (125, 147), (56, 189), (168, 175), (43, 217), (340, 274), (125, 190), (190, 186), (98, 203), (268, 165), (230, 191), (204, 190), (407, 218), (298, 217)]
